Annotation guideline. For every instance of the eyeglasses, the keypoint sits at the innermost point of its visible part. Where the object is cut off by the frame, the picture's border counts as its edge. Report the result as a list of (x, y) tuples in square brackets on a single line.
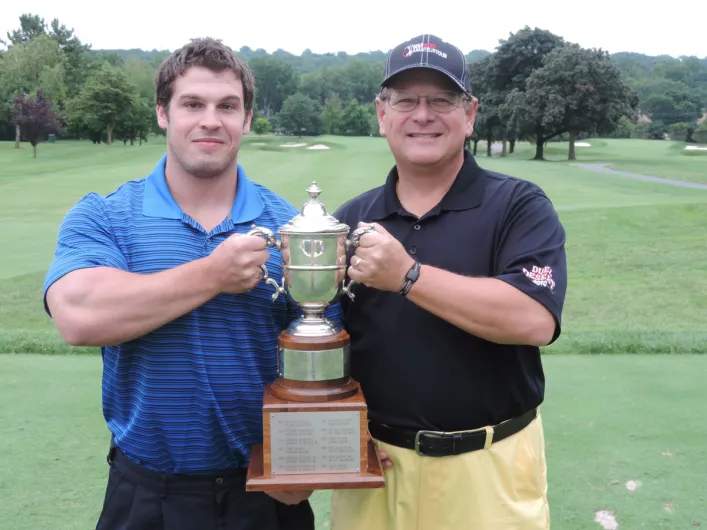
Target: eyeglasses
[(443, 101)]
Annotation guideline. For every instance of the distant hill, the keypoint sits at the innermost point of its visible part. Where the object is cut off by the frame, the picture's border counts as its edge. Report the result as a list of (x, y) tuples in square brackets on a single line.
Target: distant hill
[(632, 64), (308, 61), (671, 90)]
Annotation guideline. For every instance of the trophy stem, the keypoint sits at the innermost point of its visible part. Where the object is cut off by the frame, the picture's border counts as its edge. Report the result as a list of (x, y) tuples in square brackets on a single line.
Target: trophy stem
[(314, 368), (313, 324)]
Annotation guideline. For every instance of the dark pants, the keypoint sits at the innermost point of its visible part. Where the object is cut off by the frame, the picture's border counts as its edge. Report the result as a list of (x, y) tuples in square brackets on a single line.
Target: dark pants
[(141, 499)]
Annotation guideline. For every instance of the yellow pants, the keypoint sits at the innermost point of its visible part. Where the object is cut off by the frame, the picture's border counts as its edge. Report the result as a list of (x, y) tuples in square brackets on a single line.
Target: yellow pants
[(503, 487)]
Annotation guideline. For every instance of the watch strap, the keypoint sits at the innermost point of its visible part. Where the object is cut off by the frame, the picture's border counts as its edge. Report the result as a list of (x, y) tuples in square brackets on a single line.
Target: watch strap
[(410, 278)]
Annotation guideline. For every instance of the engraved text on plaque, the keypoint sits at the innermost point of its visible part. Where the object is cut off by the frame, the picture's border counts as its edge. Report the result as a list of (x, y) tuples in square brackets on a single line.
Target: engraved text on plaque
[(315, 442)]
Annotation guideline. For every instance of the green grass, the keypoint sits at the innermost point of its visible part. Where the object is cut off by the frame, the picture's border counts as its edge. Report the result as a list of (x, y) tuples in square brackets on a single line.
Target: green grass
[(636, 250), (637, 263), (607, 419)]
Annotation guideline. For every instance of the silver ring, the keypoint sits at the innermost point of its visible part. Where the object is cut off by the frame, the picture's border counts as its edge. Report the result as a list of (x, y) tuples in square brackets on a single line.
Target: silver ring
[(265, 272)]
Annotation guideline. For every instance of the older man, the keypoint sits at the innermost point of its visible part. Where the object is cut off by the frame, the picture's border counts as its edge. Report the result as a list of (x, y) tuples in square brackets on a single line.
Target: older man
[(462, 281)]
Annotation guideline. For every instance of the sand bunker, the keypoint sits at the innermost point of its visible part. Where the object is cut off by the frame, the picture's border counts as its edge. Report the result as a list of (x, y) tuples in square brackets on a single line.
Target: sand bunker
[(258, 143), (318, 146), (292, 145), (606, 519), (582, 144), (695, 148)]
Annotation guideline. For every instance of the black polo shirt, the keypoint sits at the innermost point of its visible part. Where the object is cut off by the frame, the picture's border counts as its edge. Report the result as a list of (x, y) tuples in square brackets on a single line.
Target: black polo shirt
[(418, 370)]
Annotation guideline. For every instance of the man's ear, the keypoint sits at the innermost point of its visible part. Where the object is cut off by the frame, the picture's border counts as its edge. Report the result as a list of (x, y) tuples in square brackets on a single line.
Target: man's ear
[(470, 110), (247, 122), (162, 117), (380, 113)]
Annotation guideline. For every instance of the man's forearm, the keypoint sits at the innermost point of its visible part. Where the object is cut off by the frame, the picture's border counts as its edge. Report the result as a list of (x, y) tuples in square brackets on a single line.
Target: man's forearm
[(103, 306), (486, 307)]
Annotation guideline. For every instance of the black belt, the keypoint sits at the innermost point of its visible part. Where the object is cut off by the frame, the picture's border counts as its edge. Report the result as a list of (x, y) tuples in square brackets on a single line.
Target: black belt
[(437, 443)]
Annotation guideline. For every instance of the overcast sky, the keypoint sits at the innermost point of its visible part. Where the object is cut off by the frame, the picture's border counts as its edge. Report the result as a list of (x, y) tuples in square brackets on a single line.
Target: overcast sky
[(675, 28)]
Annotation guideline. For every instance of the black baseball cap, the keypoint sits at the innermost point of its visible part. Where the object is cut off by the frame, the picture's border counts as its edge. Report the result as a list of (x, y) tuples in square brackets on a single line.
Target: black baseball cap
[(428, 51)]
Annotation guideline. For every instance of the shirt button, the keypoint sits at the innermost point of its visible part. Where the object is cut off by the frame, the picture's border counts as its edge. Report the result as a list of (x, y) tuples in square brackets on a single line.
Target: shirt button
[(416, 227), (413, 250), (219, 481)]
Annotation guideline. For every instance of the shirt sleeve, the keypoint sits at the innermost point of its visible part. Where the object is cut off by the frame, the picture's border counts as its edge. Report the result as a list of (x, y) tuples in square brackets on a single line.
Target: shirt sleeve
[(531, 253), (85, 240), (334, 312)]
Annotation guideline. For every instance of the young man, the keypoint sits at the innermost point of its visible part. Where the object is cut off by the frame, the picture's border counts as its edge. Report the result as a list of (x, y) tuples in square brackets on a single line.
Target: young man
[(161, 275), (461, 282)]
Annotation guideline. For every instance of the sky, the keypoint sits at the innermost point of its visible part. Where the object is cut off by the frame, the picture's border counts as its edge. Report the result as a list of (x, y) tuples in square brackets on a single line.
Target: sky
[(678, 28)]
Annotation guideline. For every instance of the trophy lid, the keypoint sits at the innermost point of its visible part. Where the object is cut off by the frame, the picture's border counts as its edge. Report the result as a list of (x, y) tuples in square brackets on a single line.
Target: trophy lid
[(313, 217)]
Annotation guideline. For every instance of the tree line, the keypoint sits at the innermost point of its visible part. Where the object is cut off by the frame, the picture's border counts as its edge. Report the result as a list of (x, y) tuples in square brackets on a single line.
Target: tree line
[(534, 86)]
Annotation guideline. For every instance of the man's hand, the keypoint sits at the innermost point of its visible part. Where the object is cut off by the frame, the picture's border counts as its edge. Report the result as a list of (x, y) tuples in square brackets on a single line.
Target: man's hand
[(236, 263), (386, 462), (290, 497), (380, 261)]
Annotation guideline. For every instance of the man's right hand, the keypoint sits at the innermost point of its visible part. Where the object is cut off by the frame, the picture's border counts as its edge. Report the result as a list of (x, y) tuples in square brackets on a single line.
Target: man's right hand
[(236, 263), (290, 497)]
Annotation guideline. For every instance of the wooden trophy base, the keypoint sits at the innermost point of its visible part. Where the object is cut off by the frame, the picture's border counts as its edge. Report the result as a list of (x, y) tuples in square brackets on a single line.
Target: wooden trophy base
[(315, 434)]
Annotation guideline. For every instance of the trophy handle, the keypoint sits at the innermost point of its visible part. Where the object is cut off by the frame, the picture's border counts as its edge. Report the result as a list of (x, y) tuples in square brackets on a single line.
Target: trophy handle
[(347, 289), (356, 235), (270, 241), (353, 242), (267, 234), (269, 281)]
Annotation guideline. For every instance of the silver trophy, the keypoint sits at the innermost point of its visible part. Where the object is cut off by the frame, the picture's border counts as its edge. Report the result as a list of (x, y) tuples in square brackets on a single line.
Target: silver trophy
[(315, 418), (313, 247)]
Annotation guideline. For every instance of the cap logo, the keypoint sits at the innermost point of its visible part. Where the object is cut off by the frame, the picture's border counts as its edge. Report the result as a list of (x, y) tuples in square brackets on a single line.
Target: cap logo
[(419, 48)]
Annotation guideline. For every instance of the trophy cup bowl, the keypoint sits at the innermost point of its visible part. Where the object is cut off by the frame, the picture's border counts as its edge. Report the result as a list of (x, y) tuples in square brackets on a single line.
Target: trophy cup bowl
[(315, 426)]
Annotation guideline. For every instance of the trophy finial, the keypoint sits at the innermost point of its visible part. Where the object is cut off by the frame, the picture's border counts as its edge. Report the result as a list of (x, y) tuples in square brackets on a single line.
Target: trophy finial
[(314, 190)]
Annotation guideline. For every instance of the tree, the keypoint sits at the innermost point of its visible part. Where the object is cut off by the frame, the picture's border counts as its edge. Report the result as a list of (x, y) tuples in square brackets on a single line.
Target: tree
[(29, 65), (680, 131), (674, 105), (626, 128), (356, 120), (31, 26), (301, 115), (141, 74), (333, 116), (75, 66), (506, 72), (106, 99), (361, 80), (576, 90), (261, 125), (275, 80), (487, 125), (700, 133), (519, 56), (136, 123), (36, 118)]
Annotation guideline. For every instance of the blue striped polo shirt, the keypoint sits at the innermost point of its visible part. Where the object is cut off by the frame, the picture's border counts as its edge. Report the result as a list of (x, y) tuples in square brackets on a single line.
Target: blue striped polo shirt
[(187, 397)]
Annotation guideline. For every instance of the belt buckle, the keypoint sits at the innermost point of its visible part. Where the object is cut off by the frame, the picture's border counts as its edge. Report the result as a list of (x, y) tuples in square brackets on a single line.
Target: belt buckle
[(417, 439)]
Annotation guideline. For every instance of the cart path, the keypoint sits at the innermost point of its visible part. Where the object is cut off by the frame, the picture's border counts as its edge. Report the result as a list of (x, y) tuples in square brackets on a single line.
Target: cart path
[(601, 168)]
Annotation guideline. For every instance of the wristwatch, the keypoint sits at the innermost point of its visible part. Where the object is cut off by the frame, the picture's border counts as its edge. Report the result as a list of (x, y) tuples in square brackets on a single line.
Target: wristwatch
[(410, 278)]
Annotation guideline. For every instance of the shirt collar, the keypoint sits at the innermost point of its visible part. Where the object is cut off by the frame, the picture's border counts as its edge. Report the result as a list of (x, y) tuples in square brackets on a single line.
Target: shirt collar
[(158, 201), (466, 192)]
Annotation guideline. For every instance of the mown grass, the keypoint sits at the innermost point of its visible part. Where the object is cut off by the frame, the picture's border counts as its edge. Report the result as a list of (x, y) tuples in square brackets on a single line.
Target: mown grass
[(636, 252), (607, 419), (637, 285)]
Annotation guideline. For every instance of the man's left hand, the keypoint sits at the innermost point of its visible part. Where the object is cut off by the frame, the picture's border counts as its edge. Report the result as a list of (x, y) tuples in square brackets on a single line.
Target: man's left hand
[(380, 260)]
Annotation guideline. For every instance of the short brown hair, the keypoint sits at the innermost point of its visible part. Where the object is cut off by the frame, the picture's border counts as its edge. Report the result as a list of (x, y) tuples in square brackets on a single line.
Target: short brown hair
[(209, 53)]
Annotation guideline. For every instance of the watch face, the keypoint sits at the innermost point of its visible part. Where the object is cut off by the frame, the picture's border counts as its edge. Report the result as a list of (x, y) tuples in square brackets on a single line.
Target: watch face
[(414, 272)]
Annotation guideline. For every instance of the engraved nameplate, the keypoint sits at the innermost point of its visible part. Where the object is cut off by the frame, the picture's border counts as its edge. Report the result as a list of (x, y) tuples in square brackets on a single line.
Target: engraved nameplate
[(315, 442)]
